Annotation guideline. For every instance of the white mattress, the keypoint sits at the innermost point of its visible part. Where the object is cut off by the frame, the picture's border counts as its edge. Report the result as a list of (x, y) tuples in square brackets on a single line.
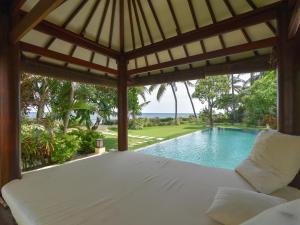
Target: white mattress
[(121, 188)]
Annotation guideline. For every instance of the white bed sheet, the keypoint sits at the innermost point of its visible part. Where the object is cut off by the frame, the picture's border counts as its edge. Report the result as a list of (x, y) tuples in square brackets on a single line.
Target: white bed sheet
[(120, 188)]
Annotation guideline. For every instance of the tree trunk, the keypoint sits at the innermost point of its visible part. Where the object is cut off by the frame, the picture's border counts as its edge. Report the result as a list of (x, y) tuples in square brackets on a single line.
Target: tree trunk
[(68, 113), (175, 99), (251, 78), (42, 101), (211, 122), (97, 123), (191, 100), (233, 99)]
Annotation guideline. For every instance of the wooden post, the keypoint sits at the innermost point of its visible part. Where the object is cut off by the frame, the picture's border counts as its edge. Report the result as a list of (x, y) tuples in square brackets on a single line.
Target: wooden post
[(288, 77), (122, 106), (9, 101)]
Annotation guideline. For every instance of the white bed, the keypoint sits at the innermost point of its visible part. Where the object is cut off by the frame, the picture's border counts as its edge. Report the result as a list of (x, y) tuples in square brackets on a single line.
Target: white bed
[(120, 188)]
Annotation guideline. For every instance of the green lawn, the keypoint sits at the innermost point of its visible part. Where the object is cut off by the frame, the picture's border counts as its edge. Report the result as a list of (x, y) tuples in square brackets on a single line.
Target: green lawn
[(161, 133)]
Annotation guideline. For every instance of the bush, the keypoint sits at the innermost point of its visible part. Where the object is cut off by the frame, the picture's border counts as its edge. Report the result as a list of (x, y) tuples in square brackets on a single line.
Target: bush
[(36, 145), (136, 124), (65, 146), (87, 140)]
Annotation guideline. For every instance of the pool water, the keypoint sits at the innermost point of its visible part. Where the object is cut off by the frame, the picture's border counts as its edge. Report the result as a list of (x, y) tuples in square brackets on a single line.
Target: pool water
[(218, 147)]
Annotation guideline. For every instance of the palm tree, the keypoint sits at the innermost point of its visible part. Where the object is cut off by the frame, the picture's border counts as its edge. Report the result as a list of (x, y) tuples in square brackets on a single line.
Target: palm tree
[(235, 88), (187, 84), (160, 92)]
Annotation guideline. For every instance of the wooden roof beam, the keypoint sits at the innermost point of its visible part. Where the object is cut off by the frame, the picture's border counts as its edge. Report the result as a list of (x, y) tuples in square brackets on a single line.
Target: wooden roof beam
[(76, 39), (65, 58), (45, 69), (208, 55), (295, 20), (36, 15), (247, 19), (254, 64)]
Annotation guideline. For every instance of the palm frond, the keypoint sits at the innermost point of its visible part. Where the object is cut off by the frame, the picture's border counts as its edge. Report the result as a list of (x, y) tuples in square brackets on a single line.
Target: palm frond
[(161, 90)]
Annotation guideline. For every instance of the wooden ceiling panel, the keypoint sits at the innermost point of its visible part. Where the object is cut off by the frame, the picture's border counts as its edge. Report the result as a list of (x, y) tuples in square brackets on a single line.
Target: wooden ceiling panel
[(78, 20), (183, 14), (220, 10), (61, 46), (36, 38), (165, 18), (178, 52), (259, 32), (202, 13), (194, 48), (240, 6), (234, 38), (212, 44)]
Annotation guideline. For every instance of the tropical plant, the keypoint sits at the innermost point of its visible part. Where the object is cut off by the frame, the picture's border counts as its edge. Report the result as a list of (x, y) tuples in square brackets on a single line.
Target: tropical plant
[(188, 84), (260, 99), (134, 105), (210, 90), (162, 90), (87, 140)]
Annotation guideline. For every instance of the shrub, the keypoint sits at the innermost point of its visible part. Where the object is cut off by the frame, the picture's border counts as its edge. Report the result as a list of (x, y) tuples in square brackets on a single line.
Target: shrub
[(87, 140), (136, 124), (65, 146), (36, 145)]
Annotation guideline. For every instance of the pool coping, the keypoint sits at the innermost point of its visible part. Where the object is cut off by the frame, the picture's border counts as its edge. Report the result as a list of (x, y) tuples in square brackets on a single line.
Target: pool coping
[(205, 129)]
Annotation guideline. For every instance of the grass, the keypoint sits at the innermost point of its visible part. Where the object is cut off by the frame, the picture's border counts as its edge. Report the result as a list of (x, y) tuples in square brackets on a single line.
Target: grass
[(162, 132)]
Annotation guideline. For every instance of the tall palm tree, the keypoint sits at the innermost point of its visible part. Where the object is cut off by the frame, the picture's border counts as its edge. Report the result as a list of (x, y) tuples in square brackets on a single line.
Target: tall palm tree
[(188, 84), (235, 88), (160, 92)]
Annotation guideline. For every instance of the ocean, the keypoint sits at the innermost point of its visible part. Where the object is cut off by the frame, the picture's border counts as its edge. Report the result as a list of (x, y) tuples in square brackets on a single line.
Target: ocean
[(144, 115)]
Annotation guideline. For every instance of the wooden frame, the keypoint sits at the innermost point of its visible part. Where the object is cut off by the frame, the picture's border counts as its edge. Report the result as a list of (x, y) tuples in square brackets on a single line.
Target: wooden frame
[(13, 31)]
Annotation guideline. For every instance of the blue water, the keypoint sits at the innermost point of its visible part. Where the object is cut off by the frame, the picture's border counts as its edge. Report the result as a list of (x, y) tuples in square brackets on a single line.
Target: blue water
[(221, 148), (143, 115)]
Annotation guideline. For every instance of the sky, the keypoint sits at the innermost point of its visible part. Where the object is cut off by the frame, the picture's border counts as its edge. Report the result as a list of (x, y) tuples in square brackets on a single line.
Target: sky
[(167, 105)]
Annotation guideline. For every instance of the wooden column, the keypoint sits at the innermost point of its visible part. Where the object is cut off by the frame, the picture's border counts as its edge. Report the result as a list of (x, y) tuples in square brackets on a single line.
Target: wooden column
[(288, 77), (122, 106), (9, 101)]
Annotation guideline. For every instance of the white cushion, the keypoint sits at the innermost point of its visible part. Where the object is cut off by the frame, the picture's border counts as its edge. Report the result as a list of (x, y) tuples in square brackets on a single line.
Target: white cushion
[(275, 157), (261, 178), (288, 193), (284, 214), (233, 206)]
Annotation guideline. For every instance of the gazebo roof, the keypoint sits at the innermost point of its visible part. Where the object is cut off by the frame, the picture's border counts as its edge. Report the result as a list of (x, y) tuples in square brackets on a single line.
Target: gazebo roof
[(161, 37)]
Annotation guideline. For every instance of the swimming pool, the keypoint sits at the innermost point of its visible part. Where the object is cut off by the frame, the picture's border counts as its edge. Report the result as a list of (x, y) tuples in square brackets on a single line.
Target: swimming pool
[(217, 147)]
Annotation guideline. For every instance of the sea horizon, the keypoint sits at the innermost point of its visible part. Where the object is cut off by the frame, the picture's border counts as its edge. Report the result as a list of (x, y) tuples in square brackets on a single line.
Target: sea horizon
[(143, 115)]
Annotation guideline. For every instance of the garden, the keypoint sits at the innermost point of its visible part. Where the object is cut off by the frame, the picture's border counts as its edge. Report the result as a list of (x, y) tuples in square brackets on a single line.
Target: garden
[(62, 120)]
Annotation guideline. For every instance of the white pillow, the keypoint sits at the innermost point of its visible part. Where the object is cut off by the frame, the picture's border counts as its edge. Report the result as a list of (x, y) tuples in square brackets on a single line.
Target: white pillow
[(284, 214), (276, 157), (233, 206), (262, 179)]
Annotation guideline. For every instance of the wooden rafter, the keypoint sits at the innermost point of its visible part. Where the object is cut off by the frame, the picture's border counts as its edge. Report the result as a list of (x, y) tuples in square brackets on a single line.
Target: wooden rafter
[(58, 72), (16, 6), (71, 37), (269, 42), (111, 28), (254, 64), (66, 23), (214, 20), (36, 15), (191, 7), (247, 19), (102, 19), (122, 26), (140, 32), (254, 7), (160, 31), (132, 29), (233, 13), (147, 27), (65, 58), (295, 20), (85, 24)]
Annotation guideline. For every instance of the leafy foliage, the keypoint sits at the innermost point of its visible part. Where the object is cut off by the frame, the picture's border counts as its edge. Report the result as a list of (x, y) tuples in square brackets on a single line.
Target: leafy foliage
[(260, 100), (87, 140)]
